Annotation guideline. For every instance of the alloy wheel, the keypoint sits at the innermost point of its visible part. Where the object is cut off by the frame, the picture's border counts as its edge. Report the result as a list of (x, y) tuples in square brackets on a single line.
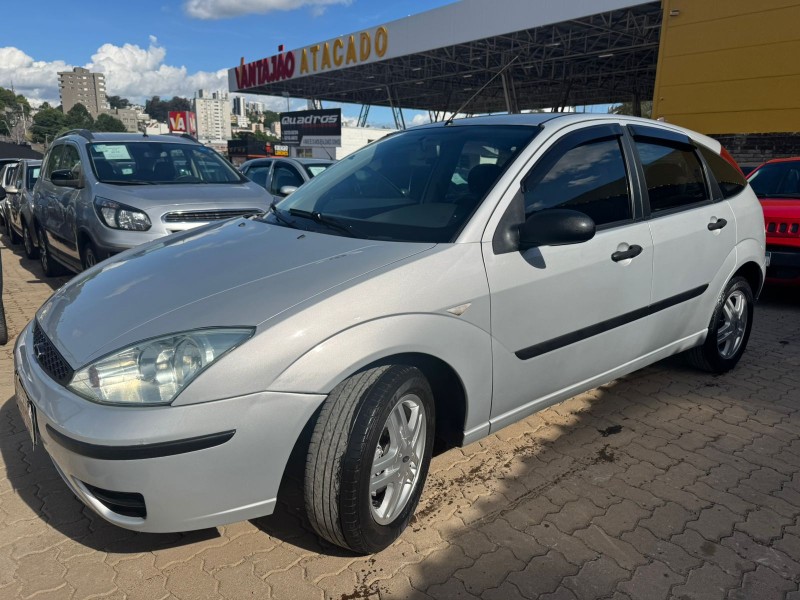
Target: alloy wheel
[(733, 324), (398, 459)]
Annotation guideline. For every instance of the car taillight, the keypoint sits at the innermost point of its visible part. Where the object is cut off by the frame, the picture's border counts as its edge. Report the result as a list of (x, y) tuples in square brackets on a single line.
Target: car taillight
[(727, 156)]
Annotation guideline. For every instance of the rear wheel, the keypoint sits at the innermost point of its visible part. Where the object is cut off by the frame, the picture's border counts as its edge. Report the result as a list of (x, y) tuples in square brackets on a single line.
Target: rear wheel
[(12, 235), (31, 251), (50, 267), (728, 331), (3, 327), (369, 457)]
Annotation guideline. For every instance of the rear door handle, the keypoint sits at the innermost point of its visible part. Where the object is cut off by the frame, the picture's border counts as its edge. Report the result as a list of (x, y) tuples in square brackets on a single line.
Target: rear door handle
[(718, 224), (631, 252)]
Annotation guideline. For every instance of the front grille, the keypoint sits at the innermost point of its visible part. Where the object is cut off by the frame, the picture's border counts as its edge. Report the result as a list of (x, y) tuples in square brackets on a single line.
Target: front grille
[(49, 358), (127, 504), (204, 216), (783, 228)]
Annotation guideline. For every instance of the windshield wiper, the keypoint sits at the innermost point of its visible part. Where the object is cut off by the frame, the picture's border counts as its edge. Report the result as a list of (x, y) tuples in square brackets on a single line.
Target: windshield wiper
[(273, 208), (127, 182), (329, 222)]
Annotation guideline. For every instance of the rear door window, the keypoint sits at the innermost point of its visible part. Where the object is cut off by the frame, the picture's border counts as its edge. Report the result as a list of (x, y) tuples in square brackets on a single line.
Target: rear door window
[(730, 179), (674, 175)]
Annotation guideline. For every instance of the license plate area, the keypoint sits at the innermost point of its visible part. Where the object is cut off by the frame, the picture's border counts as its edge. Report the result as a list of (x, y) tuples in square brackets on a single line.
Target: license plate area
[(27, 411)]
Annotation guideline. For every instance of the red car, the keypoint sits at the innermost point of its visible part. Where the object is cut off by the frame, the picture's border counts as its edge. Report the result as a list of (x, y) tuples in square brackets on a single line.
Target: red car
[(777, 185)]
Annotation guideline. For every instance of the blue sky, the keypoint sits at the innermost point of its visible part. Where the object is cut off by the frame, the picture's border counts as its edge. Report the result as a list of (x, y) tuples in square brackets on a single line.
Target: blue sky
[(170, 47)]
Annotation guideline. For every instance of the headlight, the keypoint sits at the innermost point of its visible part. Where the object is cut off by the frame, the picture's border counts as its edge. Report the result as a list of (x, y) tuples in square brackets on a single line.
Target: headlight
[(120, 216), (155, 371)]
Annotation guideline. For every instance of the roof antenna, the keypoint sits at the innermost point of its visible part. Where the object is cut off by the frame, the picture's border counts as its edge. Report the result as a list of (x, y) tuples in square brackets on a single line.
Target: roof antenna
[(485, 85)]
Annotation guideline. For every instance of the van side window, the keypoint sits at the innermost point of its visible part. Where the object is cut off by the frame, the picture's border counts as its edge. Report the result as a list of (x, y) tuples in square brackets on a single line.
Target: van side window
[(51, 163)]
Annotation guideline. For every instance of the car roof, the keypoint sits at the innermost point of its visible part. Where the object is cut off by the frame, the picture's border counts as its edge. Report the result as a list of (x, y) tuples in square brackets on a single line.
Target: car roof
[(302, 161), (128, 137), (559, 120), (780, 160)]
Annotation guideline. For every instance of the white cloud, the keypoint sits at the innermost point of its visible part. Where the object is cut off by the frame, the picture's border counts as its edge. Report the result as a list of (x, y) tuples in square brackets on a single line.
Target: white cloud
[(420, 119), (226, 9), (131, 71)]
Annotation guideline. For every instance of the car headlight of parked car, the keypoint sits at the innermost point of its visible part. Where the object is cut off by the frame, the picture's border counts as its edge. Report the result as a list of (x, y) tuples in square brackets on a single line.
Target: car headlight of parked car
[(120, 216), (157, 370)]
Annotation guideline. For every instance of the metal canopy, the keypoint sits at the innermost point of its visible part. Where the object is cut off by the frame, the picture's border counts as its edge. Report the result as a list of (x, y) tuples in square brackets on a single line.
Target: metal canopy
[(599, 59)]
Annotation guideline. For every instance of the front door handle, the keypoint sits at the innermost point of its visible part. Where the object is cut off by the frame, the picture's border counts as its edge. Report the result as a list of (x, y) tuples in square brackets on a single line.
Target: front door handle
[(631, 252), (718, 224)]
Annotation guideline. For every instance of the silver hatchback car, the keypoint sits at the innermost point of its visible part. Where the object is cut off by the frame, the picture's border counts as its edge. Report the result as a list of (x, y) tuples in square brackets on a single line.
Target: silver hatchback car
[(102, 193), (439, 284)]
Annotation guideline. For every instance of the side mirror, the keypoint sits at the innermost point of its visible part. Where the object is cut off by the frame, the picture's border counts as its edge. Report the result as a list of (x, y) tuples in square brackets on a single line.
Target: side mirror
[(287, 189), (12, 190), (2, 193), (65, 178), (555, 227)]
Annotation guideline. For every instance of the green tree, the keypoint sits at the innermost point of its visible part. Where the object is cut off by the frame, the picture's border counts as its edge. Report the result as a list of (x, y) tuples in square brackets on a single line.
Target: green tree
[(13, 108), (45, 106), (258, 136), (159, 109), (270, 117), (78, 117), (106, 122), (47, 123), (118, 102)]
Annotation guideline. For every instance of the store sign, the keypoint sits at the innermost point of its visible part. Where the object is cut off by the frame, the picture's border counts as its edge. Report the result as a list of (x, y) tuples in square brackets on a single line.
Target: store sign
[(348, 50), (280, 150), (310, 128), (183, 122)]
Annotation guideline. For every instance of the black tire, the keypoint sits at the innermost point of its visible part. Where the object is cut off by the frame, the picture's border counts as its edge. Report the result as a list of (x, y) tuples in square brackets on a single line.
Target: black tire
[(89, 256), (50, 267), (710, 356), (3, 326), (13, 238), (351, 425), (31, 250)]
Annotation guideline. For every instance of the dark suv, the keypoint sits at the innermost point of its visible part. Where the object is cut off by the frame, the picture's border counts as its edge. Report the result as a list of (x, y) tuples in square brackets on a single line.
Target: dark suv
[(102, 193)]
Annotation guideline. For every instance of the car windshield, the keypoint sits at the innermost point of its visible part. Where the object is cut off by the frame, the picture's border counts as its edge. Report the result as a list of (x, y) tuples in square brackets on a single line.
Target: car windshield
[(777, 180), (316, 169), (417, 186), (145, 162), (33, 175)]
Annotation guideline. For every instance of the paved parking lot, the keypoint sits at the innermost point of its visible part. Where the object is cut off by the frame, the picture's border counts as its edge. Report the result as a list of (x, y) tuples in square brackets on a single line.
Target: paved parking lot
[(665, 484)]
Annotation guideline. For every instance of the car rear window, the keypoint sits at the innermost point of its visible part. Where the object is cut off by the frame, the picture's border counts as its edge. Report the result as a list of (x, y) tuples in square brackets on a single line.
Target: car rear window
[(730, 180)]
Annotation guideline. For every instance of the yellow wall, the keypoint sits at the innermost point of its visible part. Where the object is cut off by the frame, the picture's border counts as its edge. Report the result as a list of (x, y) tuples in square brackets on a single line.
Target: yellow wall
[(730, 66)]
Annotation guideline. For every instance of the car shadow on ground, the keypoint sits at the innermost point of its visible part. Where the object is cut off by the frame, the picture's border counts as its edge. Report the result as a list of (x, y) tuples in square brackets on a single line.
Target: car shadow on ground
[(34, 267)]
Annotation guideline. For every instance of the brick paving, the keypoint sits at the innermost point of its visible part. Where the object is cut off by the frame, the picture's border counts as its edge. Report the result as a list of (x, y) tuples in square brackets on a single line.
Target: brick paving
[(668, 483)]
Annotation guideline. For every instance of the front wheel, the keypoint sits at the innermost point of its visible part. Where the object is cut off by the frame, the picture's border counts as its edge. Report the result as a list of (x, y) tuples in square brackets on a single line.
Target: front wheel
[(369, 457), (728, 331)]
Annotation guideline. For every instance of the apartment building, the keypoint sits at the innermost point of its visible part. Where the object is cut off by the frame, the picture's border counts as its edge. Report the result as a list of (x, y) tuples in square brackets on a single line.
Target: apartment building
[(213, 111), (82, 86)]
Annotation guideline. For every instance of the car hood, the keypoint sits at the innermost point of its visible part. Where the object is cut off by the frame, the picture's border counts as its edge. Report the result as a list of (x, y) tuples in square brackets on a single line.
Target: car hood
[(781, 209), (237, 273), (244, 195)]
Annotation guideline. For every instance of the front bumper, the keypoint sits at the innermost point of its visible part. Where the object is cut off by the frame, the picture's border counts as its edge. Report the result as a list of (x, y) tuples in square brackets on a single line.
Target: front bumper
[(119, 452), (784, 264)]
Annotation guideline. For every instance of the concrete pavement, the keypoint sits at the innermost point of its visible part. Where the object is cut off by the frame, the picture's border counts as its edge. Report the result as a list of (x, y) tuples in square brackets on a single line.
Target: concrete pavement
[(668, 483)]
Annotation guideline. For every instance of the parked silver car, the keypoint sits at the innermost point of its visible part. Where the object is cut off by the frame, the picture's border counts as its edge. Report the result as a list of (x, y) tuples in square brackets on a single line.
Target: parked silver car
[(441, 283), (19, 206), (7, 172), (102, 193), (282, 176)]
